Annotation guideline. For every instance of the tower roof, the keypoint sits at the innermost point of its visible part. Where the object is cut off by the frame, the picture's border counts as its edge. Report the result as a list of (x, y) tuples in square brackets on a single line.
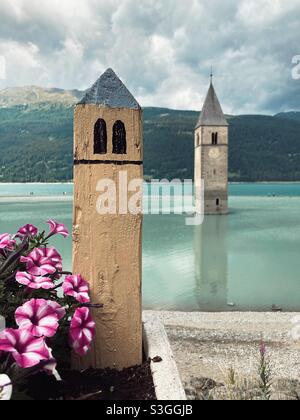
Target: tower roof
[(212, 114), (109, 90)]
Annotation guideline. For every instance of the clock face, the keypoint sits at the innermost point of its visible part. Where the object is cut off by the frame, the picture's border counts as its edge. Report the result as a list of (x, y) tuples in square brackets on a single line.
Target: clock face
[(214, 153)]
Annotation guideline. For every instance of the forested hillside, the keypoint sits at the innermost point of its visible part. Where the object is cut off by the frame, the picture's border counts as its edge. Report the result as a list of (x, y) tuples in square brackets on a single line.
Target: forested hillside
[(36, 143)]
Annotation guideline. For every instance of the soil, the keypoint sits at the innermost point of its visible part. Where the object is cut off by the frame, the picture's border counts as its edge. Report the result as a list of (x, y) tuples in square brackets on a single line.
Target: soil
[(131, 384)]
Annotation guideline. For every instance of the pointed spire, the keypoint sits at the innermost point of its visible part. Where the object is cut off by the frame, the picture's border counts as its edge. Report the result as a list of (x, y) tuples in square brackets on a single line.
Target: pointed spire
[(212, 114), (109, 91)]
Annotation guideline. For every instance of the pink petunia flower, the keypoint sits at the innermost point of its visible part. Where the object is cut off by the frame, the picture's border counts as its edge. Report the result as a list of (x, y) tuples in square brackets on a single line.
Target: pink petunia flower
[(76, 287), (42, 261), (61, 312), (27, 230), (40, 317), (27, 350), (6, 242), (82, 331), (57, 229), (34, 282)]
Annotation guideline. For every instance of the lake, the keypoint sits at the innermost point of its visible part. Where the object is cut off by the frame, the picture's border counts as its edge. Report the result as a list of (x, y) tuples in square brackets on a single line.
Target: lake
[(248, 260)]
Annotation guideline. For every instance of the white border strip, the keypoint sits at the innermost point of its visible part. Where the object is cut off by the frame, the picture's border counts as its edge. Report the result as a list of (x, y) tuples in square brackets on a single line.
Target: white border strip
[(167, 382)]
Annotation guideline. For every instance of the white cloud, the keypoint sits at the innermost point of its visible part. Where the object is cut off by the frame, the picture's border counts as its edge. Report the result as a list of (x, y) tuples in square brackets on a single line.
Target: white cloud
[(257, 13), (19, 57), (162, 49)]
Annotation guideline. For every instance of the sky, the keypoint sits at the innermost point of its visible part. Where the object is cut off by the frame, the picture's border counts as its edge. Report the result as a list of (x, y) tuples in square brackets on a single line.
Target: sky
[(162, 49)]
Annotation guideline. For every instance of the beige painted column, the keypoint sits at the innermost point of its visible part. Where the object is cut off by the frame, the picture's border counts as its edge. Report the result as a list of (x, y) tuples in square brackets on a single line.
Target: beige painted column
[(107, 249)]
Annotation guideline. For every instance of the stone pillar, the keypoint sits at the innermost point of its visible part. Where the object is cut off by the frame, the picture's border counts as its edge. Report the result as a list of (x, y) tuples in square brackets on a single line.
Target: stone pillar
[(107, 248)]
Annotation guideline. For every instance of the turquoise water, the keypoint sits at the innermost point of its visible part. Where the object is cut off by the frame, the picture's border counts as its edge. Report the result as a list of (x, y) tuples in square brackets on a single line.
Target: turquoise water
[(249, 260), (40, 190), (44, 190)]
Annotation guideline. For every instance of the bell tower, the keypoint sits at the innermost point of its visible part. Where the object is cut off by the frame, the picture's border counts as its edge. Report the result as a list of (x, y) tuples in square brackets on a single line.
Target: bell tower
[(211, 155), (107, 245)]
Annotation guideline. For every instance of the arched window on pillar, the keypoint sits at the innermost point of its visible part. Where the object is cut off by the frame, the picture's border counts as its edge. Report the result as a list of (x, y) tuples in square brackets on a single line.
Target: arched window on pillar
[(119, 138), (100, 137)]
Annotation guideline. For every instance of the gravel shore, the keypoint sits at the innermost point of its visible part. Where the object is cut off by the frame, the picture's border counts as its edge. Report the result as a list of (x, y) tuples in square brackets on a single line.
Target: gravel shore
[(36, 199), (207, 345)]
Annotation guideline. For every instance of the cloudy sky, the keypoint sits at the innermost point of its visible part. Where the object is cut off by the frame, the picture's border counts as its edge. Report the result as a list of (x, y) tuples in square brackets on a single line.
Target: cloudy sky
[(162, 49)]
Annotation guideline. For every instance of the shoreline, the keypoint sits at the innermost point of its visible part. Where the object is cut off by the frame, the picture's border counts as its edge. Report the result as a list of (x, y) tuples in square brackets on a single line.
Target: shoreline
[(230, 183), (37, 199), (69, 197), (264, 183), (39, 183)]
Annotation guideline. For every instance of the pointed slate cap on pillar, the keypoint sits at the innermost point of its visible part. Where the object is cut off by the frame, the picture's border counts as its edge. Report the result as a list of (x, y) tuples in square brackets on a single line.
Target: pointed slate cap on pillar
[(109, 91), (212, 114)]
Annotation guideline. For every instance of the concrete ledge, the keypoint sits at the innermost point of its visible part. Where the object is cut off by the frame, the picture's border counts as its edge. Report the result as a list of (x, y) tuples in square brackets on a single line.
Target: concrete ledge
[(167, 382)]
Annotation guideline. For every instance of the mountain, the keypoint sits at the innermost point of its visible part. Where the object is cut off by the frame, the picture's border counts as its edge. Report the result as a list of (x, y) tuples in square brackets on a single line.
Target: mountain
[(261, 148), (30, 95), (292, 115), (36, 140)]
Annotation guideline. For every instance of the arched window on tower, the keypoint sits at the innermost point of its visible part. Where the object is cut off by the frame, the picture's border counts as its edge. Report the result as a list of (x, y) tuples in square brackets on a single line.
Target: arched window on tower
[(119, 138), (216, 138), (100, 138), (217, 202)]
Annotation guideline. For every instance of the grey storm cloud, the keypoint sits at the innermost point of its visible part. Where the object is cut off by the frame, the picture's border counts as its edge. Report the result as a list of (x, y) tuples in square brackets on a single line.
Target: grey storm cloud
[(162, 49)]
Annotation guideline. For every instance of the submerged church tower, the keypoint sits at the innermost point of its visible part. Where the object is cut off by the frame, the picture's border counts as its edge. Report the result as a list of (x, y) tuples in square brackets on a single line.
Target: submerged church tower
[(211, 155)]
